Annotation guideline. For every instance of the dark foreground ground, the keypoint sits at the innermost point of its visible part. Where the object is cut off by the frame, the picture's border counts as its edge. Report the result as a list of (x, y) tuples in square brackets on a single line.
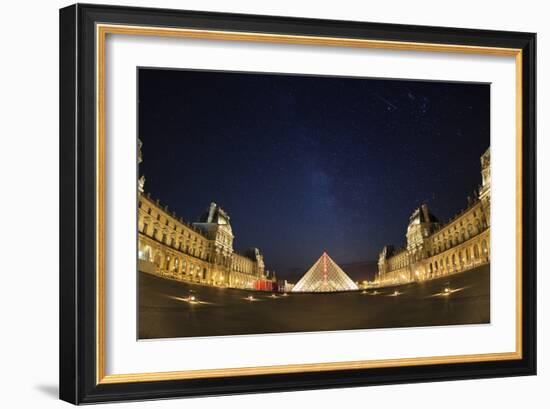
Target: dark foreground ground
[(165, 312)]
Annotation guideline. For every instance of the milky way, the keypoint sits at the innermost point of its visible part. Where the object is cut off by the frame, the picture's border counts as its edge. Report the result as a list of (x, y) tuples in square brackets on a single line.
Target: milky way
[(305, 164)]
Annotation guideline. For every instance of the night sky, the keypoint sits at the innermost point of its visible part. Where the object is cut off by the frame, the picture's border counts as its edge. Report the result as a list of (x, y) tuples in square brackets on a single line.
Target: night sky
[(305, 164)]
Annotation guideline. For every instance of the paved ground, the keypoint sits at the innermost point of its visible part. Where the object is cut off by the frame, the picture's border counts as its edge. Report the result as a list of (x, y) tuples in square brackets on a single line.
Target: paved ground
[(165, 310)]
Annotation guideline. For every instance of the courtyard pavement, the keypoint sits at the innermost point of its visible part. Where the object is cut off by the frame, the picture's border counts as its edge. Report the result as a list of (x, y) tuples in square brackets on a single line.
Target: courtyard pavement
[(169, 308)]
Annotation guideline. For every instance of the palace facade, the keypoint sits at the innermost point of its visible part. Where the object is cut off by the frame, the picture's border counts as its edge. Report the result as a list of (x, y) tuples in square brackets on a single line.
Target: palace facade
[(200, 252), (434, 249)]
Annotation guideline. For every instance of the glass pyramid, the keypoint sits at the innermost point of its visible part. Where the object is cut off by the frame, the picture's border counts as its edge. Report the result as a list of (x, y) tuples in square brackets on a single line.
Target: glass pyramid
[(324, 276)]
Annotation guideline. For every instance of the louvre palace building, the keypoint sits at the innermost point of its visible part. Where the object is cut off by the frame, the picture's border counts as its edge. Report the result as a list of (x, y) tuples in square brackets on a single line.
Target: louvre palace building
[(434, 249), (200, 252)]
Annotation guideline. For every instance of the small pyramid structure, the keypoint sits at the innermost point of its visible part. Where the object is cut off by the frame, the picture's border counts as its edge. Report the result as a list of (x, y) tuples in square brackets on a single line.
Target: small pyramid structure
[(324, 276)]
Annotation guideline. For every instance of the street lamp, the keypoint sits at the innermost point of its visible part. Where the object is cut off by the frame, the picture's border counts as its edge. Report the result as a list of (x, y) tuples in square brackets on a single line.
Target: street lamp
[(192, 297)]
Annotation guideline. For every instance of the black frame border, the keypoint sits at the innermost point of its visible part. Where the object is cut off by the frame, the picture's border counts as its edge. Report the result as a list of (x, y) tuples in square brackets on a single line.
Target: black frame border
[(78, 197)]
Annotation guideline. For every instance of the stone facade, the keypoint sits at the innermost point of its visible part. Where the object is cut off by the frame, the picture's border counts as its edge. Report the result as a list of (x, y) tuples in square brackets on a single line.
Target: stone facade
[(435, 249), (200, 252)]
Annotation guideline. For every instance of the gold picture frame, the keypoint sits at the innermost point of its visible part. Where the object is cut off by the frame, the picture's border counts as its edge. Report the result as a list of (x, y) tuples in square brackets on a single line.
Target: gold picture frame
[(103, 22)]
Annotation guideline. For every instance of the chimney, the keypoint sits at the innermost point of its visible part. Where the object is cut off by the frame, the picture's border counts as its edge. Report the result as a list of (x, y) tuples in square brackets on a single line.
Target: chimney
[(425, 212), (211, 212)]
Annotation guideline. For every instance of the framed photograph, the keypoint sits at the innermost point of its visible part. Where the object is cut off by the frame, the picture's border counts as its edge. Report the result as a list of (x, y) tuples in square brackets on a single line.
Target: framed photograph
[(257, 203)]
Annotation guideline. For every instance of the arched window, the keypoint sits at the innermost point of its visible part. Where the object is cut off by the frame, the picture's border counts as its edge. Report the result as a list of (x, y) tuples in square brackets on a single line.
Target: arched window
[(484, 249), (467, 255), (478, 225), (454, 260), (470, 231), (476, 252), (143, 253)]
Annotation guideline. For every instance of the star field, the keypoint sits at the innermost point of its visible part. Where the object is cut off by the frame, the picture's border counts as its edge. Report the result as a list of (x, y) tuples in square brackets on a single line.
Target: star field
[(304, 164)]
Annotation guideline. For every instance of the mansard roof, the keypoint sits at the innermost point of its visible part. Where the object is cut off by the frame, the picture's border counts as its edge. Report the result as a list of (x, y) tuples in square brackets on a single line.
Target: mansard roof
[(423, 215), (214, 214)]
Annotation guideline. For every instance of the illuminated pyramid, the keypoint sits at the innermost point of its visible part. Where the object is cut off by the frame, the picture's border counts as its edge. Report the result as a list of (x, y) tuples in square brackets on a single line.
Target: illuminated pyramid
[(324, 276)]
